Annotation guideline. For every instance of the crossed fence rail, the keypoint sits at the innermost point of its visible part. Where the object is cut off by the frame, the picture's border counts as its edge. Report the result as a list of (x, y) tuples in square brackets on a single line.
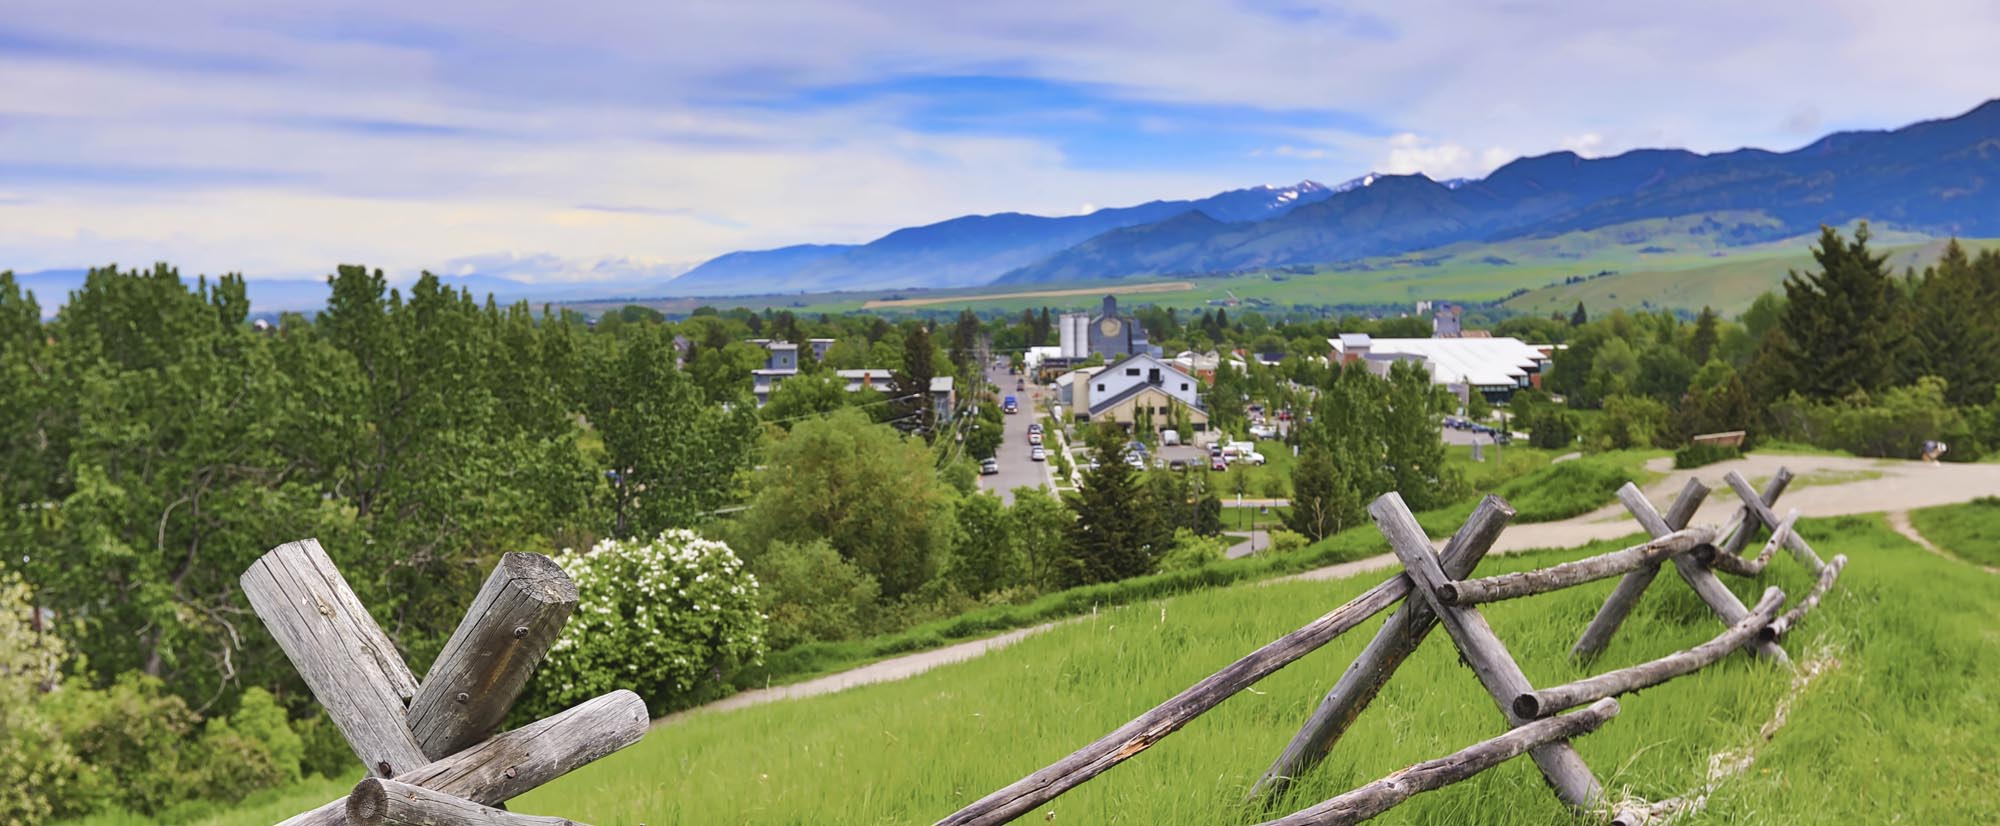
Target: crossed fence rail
[(1434, 590), (433, 759)]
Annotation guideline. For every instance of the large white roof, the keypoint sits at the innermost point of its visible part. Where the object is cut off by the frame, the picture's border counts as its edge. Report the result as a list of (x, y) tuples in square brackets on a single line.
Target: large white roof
[(1480, 361)]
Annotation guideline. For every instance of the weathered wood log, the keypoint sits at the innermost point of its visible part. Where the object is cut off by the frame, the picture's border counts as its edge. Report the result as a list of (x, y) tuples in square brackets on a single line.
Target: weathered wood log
[(1751, 567), (1761, 513), (1481, 649), (1022, 796), (1634, 584), (1571, 574), (482, 669), (1711, 590), (512, 762), (1744, 526), (1550, 700), (1399, 637), (1827, 575), (346, 660), (379, 802), (1382, 795)]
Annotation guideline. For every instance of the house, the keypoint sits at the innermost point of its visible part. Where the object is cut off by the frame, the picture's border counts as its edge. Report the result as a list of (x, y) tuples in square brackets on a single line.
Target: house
[(1106, 334), (1199, 365), (1138, 388), (1496, 367), (867, 378), (819, 347), (944, 399), (781, 361)]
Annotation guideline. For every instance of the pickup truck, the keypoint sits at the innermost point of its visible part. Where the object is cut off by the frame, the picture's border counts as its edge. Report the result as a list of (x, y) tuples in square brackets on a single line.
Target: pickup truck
[(1010, 406)]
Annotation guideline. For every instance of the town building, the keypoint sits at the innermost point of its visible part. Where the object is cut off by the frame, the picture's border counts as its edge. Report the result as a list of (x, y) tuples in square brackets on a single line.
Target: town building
[(1496, 367), (944, 397), (781, 362), (1134, 389), (1106, 334)]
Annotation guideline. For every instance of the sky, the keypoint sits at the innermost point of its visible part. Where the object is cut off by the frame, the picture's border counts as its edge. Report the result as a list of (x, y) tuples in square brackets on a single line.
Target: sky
[(630, 139)]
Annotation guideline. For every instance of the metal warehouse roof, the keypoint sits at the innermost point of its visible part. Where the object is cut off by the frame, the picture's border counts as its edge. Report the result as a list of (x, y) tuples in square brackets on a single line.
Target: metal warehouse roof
[(1480, 361)]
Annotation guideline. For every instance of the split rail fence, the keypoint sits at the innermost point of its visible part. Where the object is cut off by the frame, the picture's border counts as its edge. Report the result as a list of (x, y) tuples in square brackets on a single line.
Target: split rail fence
[(432, 756), (1435, 590)]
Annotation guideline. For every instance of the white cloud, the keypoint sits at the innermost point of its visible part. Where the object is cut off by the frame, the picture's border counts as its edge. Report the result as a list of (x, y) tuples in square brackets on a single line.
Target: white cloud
[(1408, 152)]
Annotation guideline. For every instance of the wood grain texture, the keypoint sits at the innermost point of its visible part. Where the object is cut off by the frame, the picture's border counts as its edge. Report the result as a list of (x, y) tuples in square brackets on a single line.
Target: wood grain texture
[(512, 622), (1762, 515), (1577, 572), (346, 660), (1711, 590), (513, 762), (1746, 522), (1645, 675), (1618, 606), (1399, 637), (1022, 796), (1380, 796), (1481, 649), (1741, 566), (1780, 626), (379, 802)]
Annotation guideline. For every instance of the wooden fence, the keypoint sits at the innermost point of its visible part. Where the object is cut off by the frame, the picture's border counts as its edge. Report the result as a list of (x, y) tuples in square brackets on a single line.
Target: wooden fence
[(429, 746), (1434, 590)]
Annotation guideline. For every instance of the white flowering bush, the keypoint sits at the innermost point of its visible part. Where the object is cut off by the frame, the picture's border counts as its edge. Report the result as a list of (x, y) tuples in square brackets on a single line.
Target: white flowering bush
[(668, 617)]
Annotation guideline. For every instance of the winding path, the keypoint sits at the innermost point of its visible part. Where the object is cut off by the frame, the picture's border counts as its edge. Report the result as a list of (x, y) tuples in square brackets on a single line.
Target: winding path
[(1901, 487)]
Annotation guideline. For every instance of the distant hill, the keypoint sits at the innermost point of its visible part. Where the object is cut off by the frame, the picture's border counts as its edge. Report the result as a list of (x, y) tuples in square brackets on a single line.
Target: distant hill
[(965, 251), (1939, 177)]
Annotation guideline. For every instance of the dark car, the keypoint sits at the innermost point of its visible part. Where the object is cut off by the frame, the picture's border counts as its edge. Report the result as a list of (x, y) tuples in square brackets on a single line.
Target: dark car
[(1178, 464)]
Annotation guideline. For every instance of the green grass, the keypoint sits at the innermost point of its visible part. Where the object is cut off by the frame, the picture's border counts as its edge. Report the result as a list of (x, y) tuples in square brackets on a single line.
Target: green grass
[(1554, 491), (1970, 531), (1903, 729), (1818, 478)]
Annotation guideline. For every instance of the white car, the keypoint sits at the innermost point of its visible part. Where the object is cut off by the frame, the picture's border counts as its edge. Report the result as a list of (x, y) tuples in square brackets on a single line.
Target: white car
[(1253, 457), (1037, 455)]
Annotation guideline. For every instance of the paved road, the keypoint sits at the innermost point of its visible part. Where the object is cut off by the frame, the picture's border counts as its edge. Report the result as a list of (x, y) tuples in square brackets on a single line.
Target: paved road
[(1016, 469)]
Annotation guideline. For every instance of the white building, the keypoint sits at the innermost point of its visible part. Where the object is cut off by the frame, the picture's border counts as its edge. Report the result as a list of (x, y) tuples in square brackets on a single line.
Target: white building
[(1495, 367), (1141, 387)]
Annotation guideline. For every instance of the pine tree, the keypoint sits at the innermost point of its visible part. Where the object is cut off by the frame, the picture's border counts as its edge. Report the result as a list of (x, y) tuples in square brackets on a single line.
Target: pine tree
[(1954, 312), (1110, 538), (1579, 318), (913, 382), (1840, 323), (1702, 343)]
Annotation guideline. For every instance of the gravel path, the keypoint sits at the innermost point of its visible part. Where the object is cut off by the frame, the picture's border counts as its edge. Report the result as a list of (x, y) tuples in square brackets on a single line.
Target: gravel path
[(1902, 486)]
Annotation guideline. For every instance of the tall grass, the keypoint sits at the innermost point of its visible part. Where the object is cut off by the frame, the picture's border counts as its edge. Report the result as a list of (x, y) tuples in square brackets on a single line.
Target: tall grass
[(1904, 729), (1971, 530)]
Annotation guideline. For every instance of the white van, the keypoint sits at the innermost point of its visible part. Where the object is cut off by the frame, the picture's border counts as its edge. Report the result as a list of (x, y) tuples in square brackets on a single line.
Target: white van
[(1170, 438)]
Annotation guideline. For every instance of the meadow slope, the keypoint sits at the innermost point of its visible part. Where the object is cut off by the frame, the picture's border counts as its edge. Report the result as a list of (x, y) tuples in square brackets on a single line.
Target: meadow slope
[(1903, 725)]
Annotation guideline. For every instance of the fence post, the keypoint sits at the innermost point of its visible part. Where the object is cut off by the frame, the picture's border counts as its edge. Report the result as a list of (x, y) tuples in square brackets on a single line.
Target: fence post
[(482, 669), (1598, 634)]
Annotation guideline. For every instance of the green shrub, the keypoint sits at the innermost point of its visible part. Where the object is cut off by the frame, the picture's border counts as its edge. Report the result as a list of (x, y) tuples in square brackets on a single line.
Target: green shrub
[(811, 593), (665, 617), (38, 773), (325, 752), (132, 738), (1895, 425), (1694, 456), (1191, 551), (1284, 542), (1566, 489), (259, 718)]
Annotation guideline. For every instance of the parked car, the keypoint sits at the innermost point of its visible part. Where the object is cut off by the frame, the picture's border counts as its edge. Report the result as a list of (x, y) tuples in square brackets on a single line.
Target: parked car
[(1135, 460), (1251, 456), (1215, 450), (1034, 427), (989, 467), (1034, 438), (1178, 464), (1137, 447), (1218, 463), (1037, 455), (1170, 438), (1262, 431), (1020, 384)]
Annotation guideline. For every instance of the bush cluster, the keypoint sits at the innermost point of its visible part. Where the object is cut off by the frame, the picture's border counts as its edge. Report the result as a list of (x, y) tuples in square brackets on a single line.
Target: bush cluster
[(1694, 456), (669, 617)]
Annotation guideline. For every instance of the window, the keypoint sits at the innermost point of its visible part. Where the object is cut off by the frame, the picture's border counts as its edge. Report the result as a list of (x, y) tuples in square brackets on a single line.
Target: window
[(1100, 387), (1183, 385), (1131, 371)]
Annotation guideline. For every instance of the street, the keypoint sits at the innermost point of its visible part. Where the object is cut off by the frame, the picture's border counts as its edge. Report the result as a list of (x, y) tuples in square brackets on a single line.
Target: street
[(1016, 469)]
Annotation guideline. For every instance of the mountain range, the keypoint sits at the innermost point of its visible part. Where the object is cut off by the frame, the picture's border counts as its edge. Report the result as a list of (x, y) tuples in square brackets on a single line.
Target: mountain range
[(1940, 177)]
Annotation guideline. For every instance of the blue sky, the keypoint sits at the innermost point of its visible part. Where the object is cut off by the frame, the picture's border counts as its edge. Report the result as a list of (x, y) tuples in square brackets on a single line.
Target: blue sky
[(630, 139)]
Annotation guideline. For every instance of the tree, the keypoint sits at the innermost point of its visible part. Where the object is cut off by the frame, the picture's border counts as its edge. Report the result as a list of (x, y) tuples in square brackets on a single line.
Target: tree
[(913, 383), (1953, 313), (671, 458), (810, 593), (965, 341), (1579, 318), (1110, 539), (804, 396), (1840, 324), (1701, 344), (868, 491), (1323, 502), (988, 558), (1040, 527)]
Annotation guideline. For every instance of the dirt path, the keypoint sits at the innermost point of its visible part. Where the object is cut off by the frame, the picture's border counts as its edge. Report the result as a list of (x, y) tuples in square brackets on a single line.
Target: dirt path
[(1902, 486), (1900, 520)]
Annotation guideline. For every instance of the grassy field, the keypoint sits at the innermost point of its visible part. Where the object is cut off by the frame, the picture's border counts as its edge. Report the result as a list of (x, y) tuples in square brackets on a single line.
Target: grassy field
[(1902, 726), (1971, 531), (1662, 263)]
